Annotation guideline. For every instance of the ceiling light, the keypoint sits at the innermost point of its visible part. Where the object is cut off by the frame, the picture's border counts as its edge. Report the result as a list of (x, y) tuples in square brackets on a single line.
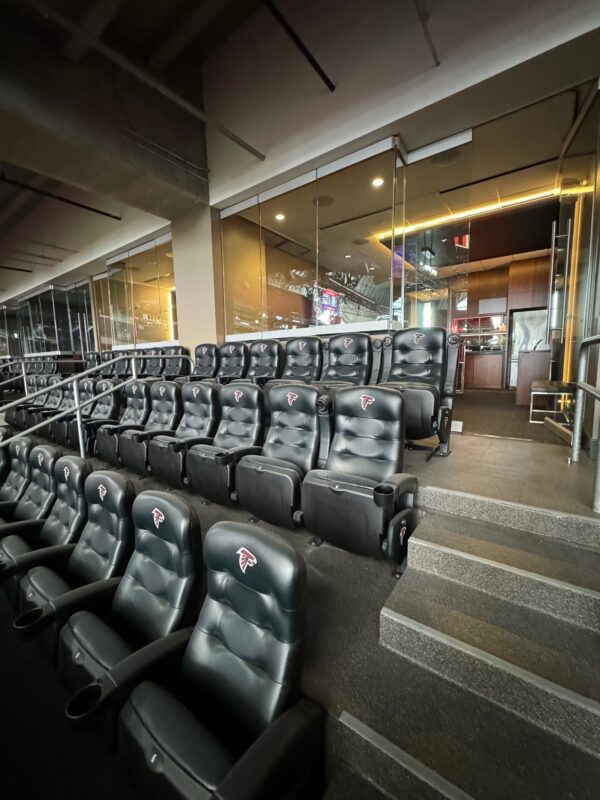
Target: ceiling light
[(377, 182), (347, 255), (280, 217)]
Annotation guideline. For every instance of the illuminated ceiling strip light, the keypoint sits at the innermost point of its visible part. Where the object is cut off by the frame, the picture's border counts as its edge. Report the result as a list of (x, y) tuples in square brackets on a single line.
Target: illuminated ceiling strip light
[(485, 209)]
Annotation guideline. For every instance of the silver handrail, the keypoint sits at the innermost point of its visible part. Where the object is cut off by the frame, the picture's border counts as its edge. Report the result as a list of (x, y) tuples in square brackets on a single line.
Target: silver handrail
[(78, 405), (584, 388)]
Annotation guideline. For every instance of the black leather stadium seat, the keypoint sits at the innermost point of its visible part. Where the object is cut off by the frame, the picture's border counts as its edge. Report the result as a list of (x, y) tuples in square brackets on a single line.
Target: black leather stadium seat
[(103, 412), (268, 483), (206, 362), (234, 359), (210, 467), (99, 520), (137, 409), (231, 723), (176, 367), (167, 454), (19, 474), (303, 359), (36, 500), (266, 362), (50, 407), (62, 526), (421, 368), (61, 427), (350, 361), (159, 592), (154, 363), (361, 501), (165, 413)]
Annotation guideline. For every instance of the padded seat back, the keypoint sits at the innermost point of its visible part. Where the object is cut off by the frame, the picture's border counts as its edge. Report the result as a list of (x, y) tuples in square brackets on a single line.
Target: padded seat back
[(55, 394), (154, 363), (200, 402), (207, 360), (165, 406), (109, 369), (350, 358), (91, 359), (69, 512), (106, 542), (419, 355), (303, 359), (122, 368), (40, 493), (137, 396), (242, 416), (368, 437), (140, 363), (106, 407), (50, 368), (293, 434), (86, 392), (265, 359), (234, 359), (40, 383), (160, 590), (176, 367), (20, 470), (68, 398), (244, 658)]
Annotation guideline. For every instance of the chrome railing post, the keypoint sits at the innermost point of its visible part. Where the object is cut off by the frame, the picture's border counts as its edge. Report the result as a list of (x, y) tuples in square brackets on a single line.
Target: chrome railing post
[(134, 369), (78, 417), (24, 371), (579, 404)]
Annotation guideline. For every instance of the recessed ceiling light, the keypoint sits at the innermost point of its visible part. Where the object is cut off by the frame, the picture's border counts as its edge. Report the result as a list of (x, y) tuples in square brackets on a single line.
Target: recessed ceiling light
[(377, 182), (347, 255), (280, 217)]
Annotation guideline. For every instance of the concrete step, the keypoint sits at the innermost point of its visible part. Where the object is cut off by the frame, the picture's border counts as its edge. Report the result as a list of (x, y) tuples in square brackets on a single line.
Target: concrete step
[(546, 574), (385, 770), (545, 522)]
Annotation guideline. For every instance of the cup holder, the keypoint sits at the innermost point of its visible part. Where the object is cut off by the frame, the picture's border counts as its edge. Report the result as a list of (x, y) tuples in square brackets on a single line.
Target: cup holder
[(84, 701), (28, 618), (383, 495)]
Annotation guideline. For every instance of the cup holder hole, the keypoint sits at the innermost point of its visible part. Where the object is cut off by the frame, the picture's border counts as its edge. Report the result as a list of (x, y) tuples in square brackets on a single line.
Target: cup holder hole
[(27, 618), (84, 701)]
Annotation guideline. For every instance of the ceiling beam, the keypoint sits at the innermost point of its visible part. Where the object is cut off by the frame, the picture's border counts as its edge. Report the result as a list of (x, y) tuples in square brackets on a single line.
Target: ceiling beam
[(95, 21), (138, 72), (424, 19), (186, 32)]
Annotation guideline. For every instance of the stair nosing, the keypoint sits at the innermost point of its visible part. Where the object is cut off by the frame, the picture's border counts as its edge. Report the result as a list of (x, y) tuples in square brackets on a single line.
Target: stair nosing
[(554, 582), (404, 759), (562, 693)]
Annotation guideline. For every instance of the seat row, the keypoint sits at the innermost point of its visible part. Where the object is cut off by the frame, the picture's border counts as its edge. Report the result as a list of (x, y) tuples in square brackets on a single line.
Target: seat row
[(110, 585), (152, 362)]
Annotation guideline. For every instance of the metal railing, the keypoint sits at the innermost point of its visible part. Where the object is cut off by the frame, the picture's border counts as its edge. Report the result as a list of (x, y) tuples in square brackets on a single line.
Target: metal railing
[(584, 388), (75, 409)]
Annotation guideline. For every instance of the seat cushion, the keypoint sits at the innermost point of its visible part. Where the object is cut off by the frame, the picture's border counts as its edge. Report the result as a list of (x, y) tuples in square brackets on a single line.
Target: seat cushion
[(39, 586), (157, 729), (88, 648), (11, 547), (269, 488), (421, 404), (205, 476)]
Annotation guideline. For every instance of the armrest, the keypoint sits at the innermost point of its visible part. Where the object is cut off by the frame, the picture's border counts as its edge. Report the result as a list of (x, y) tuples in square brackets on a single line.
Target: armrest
[(292, 744), (98, 423), (185, 444), (118, 682), (143, 437), (402, 483), (233, 455), (7, 508), (93, 597), (120, 428), (48, 556)]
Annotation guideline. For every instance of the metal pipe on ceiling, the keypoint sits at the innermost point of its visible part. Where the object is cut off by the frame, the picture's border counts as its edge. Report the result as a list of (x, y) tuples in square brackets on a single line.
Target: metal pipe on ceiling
[(138, 72), (424, 19), (58, 197)]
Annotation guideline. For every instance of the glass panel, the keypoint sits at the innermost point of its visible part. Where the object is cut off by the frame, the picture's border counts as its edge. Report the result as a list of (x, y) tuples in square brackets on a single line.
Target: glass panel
[(120, 300), (151, 301), (355, 223), (63, 321), (242, 273), (103, 313), (166, 291), (291, 296)]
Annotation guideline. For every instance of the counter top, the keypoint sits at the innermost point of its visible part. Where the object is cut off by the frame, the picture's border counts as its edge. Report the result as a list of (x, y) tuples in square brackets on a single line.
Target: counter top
[(484, 352)]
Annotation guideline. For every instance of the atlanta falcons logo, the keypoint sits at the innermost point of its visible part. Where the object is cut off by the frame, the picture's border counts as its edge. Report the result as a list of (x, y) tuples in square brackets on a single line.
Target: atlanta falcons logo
[(347, 342), (366, 400), (291, 398), (195, 391), (204, 349), (134, 388), (162, 390), (67, 472), (246, 559), (238, 394), (18, 449), (40, 459), (158, 517), (301, 345), (262, 347), (418, 337), (102, 491), (103, 387), (231, 348)]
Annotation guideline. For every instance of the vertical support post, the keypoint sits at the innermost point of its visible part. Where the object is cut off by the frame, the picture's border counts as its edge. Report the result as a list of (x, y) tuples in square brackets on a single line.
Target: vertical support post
[(134, 369), (579, 407), (78, 417), (596, 502), (24, 371)]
